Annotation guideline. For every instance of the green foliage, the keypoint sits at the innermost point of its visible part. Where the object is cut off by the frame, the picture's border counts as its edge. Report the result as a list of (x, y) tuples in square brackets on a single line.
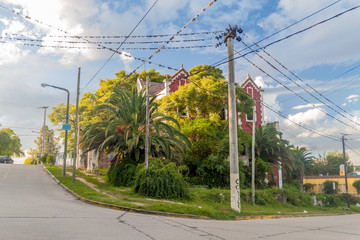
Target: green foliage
[(308, 187), (295, 196), (51, 145), (123, 130), (356, 184), (9, 143), (43, 158), (30, 161), (160, 181), (262, 169), (330, 164), (50, 159), (328, 187), (122, 172)]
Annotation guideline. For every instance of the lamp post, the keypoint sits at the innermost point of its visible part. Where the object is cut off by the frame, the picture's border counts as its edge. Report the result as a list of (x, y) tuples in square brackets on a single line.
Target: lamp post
[(67, 121)]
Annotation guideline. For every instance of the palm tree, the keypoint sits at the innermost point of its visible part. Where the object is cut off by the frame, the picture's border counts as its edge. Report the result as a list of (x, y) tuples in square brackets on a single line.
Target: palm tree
[(272, 148), (303, 161), (122, 129)]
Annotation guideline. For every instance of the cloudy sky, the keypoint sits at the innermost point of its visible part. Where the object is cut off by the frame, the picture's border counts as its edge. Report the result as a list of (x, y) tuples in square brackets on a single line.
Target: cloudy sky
[(37, 45)]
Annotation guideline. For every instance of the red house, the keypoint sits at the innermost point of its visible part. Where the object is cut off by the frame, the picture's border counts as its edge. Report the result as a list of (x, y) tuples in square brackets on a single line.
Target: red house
[(250, 87), (168, 86)]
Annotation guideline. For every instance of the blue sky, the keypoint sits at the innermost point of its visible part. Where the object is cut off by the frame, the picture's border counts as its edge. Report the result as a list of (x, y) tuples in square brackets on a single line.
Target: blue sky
[(320, 56)]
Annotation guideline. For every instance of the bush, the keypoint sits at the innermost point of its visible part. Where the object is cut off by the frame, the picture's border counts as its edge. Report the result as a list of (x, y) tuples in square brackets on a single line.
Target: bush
[(356, 184), (309, 187), (328, 187), (43, 158), (122, 172), (30, 161), (50, 159), (160, 181), (295, 196)]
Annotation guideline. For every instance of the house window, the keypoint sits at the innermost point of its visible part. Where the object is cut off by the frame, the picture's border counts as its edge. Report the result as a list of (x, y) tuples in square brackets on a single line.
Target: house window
[(250, 91)]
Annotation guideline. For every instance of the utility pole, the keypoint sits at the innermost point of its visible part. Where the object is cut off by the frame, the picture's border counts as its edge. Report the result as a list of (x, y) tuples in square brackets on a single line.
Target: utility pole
[(253, 161), (147, 124), (233, 155), (43, 134), (76, 140), (345, 168)]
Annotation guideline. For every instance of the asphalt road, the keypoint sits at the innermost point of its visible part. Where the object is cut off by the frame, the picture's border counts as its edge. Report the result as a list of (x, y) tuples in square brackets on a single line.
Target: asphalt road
[(33, 206)]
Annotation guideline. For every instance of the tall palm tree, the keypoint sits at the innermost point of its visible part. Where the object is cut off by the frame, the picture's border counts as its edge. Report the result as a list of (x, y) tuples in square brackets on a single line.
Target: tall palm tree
[(303, 160), (272, 148), (122, 129)]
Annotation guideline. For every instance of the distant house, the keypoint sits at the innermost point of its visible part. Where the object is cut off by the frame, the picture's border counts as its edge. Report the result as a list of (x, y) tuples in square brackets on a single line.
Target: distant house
[(168, 86), (250, 87)]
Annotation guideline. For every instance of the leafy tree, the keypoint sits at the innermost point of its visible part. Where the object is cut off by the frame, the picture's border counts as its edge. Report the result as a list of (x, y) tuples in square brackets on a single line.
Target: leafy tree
[(330, 164), (303, 161), (272, 148), (10, 143), (123, 131), (205, 95), (51, 142)]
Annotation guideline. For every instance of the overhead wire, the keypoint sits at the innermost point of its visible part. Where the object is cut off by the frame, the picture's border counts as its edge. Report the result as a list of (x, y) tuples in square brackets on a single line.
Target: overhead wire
[(297, 77), (107, 61), (287, 27)]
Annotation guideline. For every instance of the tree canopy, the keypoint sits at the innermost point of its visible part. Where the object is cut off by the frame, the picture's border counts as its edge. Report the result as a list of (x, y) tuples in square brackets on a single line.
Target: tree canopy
[(10, 144)]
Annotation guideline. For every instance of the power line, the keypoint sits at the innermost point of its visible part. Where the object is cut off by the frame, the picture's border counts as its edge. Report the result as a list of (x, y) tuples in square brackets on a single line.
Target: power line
[(288, 36), (263, 71), (99, 48), (275, 33), (106, 62), (107, 42), (357, 153), (117, 36), (283, 66)]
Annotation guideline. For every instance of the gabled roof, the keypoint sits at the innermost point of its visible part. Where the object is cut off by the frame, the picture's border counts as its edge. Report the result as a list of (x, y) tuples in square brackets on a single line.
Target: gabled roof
[(154, 87), (249, 79), (180, 71)]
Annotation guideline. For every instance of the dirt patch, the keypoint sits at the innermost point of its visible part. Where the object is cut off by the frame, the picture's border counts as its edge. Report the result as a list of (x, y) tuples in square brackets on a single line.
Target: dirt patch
[(167, 201)]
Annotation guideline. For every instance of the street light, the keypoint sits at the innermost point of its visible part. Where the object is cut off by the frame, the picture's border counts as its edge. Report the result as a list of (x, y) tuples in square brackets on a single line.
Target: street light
[(67, 121)]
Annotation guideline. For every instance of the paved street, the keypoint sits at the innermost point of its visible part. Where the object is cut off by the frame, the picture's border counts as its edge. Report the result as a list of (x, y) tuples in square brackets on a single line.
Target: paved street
[(33, 206)]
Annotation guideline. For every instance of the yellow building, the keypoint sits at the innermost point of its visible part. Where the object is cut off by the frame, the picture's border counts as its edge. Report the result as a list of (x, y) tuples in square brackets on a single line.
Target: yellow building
[(319, 180)]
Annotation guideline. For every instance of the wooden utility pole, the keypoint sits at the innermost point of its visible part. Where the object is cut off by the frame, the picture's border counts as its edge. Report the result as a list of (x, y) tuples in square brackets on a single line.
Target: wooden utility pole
[(76, 140), (253, 161), (345, 168), (233, 155), (147, 124)]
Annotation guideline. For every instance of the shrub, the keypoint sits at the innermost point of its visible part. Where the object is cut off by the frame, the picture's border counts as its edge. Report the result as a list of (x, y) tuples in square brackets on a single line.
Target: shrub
[(328, 187), (122, 172), (160, 181), (309, 187), (356, 184), (50, 159), (295, 196), (30, 161), (43, 158)]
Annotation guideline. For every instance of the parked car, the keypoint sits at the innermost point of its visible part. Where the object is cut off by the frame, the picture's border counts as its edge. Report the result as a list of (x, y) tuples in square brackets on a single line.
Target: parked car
[(6, 159)]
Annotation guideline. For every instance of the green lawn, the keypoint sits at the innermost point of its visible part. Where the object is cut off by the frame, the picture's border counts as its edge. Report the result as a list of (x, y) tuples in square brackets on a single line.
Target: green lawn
[(213, 203)]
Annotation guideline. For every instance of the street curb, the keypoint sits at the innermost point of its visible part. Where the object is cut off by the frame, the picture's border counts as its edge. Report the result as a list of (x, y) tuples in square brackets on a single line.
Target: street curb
[(290, 216), (127, 209), (166, 214)]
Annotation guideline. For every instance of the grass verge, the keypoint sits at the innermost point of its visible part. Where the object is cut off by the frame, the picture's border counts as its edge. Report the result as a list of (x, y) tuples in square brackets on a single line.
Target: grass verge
[(213, 203)]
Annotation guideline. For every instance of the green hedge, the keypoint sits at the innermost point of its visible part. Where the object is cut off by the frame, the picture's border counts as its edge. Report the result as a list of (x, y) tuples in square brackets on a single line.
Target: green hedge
[(160, 181)]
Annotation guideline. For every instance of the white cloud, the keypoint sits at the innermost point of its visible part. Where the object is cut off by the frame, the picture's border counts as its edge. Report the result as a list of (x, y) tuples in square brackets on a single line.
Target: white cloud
[(126, 60), (304, 118), (259, 81), (352, 97), (309, 105)]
